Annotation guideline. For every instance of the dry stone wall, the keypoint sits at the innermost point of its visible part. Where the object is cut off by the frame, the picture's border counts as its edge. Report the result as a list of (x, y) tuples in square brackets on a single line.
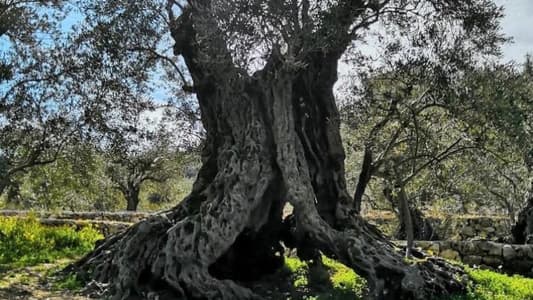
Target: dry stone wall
[(506, 257), (456, 228)]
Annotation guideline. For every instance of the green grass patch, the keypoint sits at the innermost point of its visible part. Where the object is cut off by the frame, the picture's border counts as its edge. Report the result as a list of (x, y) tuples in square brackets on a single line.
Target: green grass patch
[(342, 283), (490, 285), (329, 281), (24, 242)]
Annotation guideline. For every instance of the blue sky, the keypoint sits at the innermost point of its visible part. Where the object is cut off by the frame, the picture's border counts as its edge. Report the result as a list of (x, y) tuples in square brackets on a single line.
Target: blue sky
[(518, 23)]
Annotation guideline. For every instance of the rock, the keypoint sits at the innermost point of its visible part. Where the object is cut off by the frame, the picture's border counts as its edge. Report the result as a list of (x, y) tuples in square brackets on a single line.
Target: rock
[(529, 250), (424, 245), (435, 248), (472, 260), (490, 230), (508, 252), (491, 248), (468, 248), (468, 231), (450, 254), (492, 261), (485, 222)]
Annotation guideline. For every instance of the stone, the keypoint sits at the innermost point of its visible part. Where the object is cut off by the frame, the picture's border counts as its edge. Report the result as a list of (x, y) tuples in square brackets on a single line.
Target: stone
[(468, 248), (485, 222), (490, 248), (472, 260), (492, 261), (529, 250), (424, 245), (435, 248), (468, 231), (508, 252), (450, 254), (490, 230)]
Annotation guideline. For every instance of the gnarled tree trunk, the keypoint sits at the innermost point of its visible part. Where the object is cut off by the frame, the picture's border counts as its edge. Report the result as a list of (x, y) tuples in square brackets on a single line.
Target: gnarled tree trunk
[(272, 138)]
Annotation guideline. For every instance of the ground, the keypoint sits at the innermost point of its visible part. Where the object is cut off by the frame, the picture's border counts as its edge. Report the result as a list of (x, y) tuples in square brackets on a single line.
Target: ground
[(31, 256), (38, 282)]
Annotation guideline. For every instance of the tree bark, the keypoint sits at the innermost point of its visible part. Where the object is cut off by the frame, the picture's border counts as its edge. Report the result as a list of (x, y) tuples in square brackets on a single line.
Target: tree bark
[(419, 229), (422, 228), (405, 219), (272, 138), (3, 186), (131, 193)]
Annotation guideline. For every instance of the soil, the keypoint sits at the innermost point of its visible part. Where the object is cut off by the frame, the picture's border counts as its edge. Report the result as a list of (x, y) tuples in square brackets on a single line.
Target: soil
[(35, 282)]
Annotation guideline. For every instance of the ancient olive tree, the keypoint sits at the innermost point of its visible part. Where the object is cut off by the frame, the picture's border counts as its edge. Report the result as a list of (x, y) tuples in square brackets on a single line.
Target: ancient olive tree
[(263, 73)]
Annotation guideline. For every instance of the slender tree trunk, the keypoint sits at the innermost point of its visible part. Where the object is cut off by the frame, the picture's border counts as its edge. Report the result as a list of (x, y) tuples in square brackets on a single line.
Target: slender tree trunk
[(5, 181), (421, 228), (364, 179), (3, 187), (405, 218), (271, 138)]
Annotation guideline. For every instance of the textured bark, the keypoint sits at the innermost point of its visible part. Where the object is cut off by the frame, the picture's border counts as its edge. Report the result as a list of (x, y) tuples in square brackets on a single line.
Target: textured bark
[(272, 138), (131, 193)]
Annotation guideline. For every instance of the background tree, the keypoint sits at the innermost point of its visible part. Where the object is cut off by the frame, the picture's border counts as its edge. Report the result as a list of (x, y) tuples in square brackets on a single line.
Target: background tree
[(148, 145), (38, 116), (75, 181), (404, 123)]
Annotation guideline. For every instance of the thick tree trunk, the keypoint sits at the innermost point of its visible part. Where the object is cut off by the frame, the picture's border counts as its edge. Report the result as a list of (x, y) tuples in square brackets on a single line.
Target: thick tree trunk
[(364, 179), (272, 138), (131, 193)]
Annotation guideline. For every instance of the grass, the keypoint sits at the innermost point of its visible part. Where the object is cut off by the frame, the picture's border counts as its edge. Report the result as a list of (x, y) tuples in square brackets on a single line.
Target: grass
[(330, 280), (345, 284), (25, 242), (489, 285)]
